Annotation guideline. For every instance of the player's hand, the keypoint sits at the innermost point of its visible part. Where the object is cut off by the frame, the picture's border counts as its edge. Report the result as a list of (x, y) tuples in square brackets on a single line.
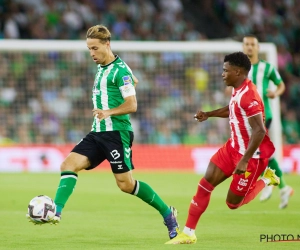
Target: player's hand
[(271, 94), (241, 167), (100, 114), (200, 116)]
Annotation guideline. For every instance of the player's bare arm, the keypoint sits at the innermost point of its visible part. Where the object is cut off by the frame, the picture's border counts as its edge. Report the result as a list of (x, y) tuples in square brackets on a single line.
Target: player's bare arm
[(135, 80), (129, 106), (258, 134), (222, 113), (278, 92)]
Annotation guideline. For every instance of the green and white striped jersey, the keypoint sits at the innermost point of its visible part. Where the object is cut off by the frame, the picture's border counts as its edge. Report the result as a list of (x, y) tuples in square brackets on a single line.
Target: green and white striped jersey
[(113, 82), (261, 74)]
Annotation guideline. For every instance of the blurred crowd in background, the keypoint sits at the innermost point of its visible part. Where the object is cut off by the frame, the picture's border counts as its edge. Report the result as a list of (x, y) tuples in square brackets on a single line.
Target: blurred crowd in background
[(46, 97)]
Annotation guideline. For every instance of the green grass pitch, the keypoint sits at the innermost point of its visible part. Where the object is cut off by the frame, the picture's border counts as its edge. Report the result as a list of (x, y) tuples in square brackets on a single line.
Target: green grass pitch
[(99, 216)]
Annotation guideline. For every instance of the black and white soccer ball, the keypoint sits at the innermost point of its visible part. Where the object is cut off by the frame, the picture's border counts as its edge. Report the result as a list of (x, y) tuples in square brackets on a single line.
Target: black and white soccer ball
[(41, 209)]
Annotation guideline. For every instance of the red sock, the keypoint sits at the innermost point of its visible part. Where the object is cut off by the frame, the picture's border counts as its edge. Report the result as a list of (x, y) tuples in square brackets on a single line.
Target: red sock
[(199, 203), (251, 195)]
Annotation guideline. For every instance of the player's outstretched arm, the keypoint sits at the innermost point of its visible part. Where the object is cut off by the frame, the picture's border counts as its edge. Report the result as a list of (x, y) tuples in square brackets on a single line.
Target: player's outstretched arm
[(258, 134), (222, 112)]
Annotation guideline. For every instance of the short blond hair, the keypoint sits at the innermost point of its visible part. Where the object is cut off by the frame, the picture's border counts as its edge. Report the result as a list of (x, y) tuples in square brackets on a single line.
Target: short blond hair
[(99, 32)]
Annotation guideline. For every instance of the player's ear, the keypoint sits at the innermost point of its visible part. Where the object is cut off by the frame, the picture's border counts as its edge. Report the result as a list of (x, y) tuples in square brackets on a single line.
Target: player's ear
[(107, 43)]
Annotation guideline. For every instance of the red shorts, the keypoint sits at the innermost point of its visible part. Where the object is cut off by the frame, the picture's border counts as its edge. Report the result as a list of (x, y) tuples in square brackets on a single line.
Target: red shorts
[(227, 158)]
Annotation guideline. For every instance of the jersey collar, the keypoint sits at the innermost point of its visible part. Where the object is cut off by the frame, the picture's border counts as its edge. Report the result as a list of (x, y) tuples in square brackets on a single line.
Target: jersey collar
[(106, 65), (245, 83)]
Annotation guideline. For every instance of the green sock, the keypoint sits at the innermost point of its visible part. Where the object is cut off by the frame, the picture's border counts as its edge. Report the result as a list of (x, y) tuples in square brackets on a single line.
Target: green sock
[(147, 194), (65, 188), (273, 164)]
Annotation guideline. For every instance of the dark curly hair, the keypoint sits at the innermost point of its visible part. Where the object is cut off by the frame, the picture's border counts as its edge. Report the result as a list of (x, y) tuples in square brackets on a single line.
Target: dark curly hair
[(238, 59)]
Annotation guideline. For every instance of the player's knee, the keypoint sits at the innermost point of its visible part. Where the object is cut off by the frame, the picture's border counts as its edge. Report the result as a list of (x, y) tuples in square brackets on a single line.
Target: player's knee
[(232, 206), (66, 167), (125, 186)]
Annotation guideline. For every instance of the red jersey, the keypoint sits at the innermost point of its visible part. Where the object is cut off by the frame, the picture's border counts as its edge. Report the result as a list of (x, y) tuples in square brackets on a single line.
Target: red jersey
[(244, 103)]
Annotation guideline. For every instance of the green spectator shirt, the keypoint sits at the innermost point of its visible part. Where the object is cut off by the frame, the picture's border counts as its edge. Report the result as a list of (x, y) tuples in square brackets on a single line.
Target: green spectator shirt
[(261, 74), (113, 82)]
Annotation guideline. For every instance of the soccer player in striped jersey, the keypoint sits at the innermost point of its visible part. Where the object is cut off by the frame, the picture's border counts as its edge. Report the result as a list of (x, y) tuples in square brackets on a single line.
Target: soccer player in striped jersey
[(244, 156), (111, 137), (261, 74)]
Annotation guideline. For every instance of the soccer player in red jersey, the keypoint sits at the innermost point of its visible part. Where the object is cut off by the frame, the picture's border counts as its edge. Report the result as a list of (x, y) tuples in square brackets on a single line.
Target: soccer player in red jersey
[(244, 156)]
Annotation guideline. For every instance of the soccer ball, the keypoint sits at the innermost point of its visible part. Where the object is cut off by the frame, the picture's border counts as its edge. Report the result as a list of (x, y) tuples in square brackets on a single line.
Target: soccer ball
[(41, 209)]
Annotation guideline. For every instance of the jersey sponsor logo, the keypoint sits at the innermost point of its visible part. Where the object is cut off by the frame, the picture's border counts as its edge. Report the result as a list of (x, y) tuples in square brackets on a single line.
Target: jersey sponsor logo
[(120, 167), (96, 91), (127, 90), (115, 154), (127, 152), (252, 104), (232, 117), (243, 182), (116, 162), (126, 80)]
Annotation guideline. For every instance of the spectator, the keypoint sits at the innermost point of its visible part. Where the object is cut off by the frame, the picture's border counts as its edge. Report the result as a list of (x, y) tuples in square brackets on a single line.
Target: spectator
[(169, 82), (165, 135)]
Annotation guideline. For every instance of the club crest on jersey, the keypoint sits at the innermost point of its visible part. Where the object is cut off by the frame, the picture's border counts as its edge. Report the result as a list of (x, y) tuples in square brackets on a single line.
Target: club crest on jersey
[(106, 72), (126, 80)]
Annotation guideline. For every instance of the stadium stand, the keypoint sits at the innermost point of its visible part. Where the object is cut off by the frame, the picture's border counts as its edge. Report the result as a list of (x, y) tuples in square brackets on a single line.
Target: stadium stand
[(36, 91)]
